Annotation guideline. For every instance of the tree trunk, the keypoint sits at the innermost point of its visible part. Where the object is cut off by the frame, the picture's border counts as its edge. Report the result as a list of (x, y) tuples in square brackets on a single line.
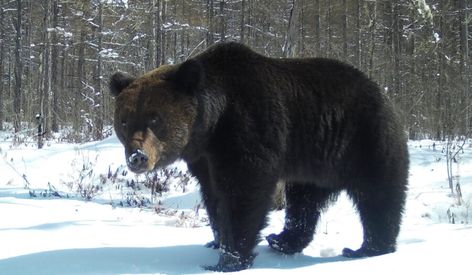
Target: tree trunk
[(290, 45), (63, 96), (396, 45), (317, 28), (302, 31), (465, 71), (328, 28), (152, 37), (18, 71), (163, 32), (97, 96), (222, 22), (54, 65), (373, 24), (80, 80), (183, 35), (210, 9), (439, 133), (2, 56), (358, 43), (158, 32), (27, 70), (174, 36), (242, 23), (45, 70), (344, 26), (248, 22)]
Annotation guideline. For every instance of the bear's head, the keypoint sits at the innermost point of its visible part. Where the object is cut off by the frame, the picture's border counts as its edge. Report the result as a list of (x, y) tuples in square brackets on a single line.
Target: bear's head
[(155, 113)]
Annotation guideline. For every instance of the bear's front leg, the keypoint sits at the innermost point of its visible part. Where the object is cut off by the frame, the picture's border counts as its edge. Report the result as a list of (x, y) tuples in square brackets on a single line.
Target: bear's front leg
[(199, 169), (243, 204)]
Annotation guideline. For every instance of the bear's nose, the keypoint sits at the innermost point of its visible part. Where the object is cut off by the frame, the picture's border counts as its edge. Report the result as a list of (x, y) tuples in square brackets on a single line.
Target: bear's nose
[(137, 160)]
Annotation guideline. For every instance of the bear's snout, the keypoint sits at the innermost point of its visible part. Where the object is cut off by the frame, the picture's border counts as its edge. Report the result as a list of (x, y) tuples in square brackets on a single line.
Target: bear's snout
[(138, 161)]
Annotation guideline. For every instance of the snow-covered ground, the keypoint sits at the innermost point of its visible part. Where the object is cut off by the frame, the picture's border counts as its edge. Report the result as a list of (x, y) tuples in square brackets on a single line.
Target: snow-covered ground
[(47, 227)]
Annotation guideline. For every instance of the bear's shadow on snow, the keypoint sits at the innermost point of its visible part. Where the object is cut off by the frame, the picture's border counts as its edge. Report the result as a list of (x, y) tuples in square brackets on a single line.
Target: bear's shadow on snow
[(188, 259)]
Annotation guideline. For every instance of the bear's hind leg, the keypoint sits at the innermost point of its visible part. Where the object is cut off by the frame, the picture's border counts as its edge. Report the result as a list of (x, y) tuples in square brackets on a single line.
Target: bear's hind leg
[(380, 209), (304, 204)]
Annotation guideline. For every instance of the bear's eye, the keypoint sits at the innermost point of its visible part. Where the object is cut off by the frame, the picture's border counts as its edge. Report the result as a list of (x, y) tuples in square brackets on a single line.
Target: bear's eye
[(124, 123), (154, 122)]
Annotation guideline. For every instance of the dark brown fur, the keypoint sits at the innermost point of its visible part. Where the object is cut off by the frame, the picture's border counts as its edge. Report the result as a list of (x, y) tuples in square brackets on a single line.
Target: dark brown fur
[(243, 121)]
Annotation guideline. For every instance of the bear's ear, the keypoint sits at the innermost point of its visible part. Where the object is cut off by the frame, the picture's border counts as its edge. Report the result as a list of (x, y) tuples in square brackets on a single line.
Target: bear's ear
[(118, 82), (189, 75)]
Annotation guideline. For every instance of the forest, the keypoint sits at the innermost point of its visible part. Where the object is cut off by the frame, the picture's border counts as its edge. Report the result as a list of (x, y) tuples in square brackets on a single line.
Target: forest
[(56, 56)]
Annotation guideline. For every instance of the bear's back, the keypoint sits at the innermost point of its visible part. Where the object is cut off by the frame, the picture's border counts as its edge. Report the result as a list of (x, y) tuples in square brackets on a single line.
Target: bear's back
[(319, 114)]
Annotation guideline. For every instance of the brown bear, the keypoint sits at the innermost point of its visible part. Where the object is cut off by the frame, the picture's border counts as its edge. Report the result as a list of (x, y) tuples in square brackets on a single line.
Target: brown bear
[(243, 121)]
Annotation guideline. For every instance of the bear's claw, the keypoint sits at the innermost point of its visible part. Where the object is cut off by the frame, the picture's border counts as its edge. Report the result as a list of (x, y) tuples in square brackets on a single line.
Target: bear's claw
[(365, 252), (278, 243), (230, 262), (212, 244)]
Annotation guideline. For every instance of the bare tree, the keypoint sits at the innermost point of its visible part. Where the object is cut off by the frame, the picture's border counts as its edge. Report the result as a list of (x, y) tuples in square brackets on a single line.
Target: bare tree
[(2, 57), (210, 24), (242, 22), (221, 21), (290, 44), (358, 40), (97, 93), (465, 63), (329, 29), (372, 31), (80, 79), (344, 30), (45, 69), (163, 33), (317, 27), (396, 49), (18, 70), (157, 32), (54, 67)]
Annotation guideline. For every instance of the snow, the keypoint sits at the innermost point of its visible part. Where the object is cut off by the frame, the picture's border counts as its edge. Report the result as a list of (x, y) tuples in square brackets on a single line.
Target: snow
[(423, 8), (123, 3), (109, 53), (66, 234)]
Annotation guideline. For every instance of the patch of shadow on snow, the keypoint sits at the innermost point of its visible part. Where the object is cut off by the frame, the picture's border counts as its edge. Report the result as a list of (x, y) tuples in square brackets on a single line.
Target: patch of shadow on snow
[(114, 260), (45, 226), (188, 200), (185, 259), (411, 241), (268, 258)]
